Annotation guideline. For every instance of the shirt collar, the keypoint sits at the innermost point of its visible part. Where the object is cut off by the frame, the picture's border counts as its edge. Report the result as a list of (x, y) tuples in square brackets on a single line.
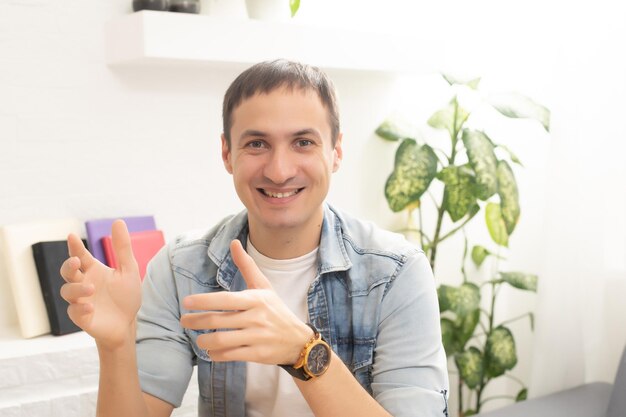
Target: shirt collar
[(332, 251)]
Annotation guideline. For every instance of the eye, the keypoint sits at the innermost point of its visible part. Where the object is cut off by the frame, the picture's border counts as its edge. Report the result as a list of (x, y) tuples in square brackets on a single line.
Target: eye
[(303, 143), (255, 144)]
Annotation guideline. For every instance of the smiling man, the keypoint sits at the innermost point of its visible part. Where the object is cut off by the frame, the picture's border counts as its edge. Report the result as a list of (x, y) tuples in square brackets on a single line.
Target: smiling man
[(289, 308)]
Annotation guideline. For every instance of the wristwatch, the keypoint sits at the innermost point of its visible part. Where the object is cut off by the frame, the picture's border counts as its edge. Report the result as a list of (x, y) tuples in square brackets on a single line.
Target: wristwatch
[(314, 358)]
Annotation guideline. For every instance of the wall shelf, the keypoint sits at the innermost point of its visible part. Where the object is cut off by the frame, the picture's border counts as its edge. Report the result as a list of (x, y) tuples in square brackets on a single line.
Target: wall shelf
[(164, 39)]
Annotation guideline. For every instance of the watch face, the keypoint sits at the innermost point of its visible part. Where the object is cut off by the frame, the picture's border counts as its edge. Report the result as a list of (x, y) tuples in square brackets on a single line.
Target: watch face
[(318, 359)]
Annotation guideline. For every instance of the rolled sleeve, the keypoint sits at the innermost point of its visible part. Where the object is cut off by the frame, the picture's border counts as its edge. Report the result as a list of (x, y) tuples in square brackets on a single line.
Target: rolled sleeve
[(409, 375), (164, 356)]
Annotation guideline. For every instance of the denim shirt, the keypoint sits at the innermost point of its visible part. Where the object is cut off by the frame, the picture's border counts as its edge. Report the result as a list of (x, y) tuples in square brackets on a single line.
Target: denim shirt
[(373, 300)]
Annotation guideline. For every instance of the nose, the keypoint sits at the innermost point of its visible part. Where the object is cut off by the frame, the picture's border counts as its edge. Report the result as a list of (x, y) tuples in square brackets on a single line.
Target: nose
[(280, 166)]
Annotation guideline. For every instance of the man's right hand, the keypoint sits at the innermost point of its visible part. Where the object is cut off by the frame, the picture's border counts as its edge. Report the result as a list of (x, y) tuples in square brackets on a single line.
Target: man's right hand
[(103, 301)]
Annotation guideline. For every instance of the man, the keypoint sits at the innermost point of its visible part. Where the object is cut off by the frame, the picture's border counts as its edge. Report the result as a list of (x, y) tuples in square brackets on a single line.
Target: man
[(347, 310)]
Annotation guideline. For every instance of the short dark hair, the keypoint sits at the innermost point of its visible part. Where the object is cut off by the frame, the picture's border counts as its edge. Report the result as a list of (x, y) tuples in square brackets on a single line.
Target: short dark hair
[(268, 76)]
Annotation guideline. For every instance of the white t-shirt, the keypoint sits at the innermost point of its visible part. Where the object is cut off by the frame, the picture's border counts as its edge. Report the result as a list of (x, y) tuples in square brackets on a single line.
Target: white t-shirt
[(270, 391)]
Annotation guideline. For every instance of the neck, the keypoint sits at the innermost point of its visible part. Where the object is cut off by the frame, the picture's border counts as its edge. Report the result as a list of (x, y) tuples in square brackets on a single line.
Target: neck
[(286, 242)]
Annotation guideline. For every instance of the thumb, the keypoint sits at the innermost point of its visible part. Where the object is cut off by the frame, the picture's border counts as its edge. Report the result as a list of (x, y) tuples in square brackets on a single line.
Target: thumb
[(122, 247), (251, 273)]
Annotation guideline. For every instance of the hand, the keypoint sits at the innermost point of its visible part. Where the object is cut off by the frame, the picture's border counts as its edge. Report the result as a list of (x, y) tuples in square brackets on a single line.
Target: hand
[(103, 301), (253, 325)]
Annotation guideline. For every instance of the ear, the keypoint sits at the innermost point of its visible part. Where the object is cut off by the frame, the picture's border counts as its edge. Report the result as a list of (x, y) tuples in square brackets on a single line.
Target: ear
[(226, 155), (337, 153)]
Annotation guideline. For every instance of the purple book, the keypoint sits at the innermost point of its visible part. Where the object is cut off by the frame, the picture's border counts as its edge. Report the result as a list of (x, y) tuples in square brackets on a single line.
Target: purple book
[(99, 228)]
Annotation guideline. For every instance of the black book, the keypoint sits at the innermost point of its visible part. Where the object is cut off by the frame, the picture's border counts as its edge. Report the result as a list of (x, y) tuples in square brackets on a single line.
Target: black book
[(49, 256)]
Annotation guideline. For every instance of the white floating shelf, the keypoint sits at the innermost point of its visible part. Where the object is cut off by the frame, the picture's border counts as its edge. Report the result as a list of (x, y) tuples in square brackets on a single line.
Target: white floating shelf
[(164, 38)]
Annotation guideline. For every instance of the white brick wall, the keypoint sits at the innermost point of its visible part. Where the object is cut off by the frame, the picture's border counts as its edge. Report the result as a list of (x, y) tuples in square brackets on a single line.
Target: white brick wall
[(78, 139)]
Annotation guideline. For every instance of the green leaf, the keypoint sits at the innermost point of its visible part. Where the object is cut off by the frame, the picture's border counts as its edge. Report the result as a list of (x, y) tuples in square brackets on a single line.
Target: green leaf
[(467, 299), (462, 300), (500, 353), (496, 225), (465, 326), (470, 365), (458, 197), (444, 118), (470, 82), (512, 156), (522, 395), (294, 5), (479, 253), (469, 412), (391, 131), (414, 169), (509, 196), (483, 161), (521, 107), (447, 297), (520, 280), (449, 337)]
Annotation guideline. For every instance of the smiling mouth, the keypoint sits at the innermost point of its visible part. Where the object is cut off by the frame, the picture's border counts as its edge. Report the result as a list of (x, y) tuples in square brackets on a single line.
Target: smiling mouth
[(279, 195)]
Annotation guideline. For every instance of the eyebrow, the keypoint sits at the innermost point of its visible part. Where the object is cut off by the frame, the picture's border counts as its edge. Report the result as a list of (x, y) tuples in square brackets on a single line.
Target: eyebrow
[(259, 133), (308, 132)]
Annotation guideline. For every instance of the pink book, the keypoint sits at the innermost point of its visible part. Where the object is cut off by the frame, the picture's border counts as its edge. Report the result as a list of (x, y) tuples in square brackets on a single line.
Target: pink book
[(145, 245)]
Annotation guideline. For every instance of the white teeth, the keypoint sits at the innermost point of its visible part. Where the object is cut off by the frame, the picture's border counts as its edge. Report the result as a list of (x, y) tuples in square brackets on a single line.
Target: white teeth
[(280, 195)]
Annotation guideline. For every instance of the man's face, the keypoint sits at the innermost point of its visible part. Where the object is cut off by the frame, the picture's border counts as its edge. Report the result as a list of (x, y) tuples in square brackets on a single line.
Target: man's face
[(281, 157)]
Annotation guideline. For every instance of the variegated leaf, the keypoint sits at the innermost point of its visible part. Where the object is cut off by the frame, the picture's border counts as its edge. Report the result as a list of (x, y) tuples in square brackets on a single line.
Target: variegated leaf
[(467, 299), (470, 365), (447, 297), (512, 156), (483, 161), (466, 325), (500, 354), (518, 106), (391, 131), (509, 196), (470, 82), (520, 280), (415, 167), (449, 337), (479, 253), (444, 118), (496, 225), (459, 192)]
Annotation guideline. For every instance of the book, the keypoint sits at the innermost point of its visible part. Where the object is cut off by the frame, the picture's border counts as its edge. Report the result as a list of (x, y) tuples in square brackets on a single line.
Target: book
[(99, 228), (49, 256), (145, 245), (19, 265)]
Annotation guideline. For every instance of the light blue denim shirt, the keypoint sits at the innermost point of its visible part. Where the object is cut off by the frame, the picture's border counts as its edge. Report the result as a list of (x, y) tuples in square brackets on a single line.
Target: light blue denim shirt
[(374, 301)]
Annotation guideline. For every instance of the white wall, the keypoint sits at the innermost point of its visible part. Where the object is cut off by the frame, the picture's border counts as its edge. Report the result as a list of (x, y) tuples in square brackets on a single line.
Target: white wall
[(81, 140)]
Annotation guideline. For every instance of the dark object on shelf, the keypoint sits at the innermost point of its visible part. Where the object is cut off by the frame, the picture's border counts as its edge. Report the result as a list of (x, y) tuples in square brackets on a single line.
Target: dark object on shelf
[(185, 6), (49, 256), (151, 5)]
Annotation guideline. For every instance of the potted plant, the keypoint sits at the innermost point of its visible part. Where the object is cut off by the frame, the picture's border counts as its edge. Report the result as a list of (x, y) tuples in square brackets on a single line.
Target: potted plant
[(474, 175), (272, 10)]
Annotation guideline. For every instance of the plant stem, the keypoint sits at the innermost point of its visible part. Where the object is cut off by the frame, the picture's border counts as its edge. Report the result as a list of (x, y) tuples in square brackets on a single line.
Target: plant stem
[(497, 397), (456, 229), (516, 318), (461, 414), (433, 249), (464, 257), (440, 209), (519, 381)]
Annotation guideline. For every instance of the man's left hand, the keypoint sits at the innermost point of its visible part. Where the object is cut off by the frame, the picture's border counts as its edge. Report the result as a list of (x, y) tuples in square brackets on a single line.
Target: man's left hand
[(253, 325)]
